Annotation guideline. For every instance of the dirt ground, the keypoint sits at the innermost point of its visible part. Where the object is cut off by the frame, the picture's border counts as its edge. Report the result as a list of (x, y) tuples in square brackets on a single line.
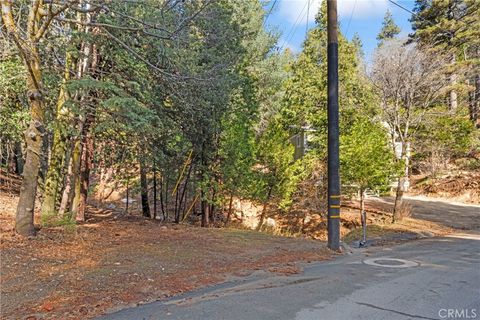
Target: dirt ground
[(462, 187), (113, 261), (116, 260), (381, 231), (450, 214)]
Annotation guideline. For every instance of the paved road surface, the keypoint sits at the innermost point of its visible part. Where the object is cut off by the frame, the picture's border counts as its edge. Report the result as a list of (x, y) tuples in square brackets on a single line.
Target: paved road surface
[(449, 213), (445, 277)]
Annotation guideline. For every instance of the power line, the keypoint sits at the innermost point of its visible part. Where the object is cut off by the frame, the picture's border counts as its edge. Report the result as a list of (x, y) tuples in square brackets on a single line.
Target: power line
[(294, 27), (351, 15), (411, 12), (269, 12), (308, 13), (402, 7)]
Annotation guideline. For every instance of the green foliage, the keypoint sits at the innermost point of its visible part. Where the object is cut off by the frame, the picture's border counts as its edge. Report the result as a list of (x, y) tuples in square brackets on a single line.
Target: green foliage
[(389, 29), (446, 135), (277, 174), (451, 25), (454, 134), (14, 114), (471, 164), (204, 78), (452, 28), (366, 159), (237, 152), (305, 98), (67, 222)]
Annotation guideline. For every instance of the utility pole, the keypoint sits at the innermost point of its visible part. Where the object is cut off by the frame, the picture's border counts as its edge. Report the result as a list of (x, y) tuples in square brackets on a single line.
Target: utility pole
[(333, 132)]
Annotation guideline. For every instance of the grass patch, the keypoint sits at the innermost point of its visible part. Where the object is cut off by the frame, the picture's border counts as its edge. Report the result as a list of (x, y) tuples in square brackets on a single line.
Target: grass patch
[(66, 221)]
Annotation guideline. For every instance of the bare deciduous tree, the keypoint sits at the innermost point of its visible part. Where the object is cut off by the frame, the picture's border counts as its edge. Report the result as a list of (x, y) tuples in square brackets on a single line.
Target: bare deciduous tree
[(409, 80)]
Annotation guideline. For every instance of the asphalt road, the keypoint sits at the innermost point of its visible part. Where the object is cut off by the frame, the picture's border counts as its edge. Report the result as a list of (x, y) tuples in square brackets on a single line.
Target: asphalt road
[(449, 213), (439, 279)]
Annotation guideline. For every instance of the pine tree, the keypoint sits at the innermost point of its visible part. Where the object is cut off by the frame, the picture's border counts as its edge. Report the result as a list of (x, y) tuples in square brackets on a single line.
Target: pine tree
[(453, 28), (389, 29), (305, 97), (357, 42)]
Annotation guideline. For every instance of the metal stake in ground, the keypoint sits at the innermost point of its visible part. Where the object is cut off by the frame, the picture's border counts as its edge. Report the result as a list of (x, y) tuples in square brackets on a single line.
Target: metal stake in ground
[(333, 132), (363, 242)]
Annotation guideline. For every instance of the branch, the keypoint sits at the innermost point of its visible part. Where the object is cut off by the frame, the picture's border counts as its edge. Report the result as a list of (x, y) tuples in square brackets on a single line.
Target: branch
[(12, 30), (51, 15), (106, 25), (136, 54), (32, 16)]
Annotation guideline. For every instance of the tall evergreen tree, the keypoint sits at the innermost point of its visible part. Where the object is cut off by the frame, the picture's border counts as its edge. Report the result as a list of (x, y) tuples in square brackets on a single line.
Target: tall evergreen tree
[(305, 97), (389, 29), (453, 27)]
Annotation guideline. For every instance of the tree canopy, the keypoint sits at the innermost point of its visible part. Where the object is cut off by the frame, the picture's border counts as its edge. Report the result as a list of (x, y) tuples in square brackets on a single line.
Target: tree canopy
[(193, 104)]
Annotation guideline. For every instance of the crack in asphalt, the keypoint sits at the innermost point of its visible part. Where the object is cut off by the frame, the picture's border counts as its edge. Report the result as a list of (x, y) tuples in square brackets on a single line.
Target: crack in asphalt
[(394, 311)]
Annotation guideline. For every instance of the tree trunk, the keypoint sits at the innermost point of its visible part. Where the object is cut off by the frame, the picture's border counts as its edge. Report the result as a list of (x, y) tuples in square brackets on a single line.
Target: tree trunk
[(175, 208), (19, 160), (34, 137), (128, 198), (154, 192), (162, 207), (144, 189), (42, 172), (184, 194), (86, 166), (401, 188), (453, 93), (204, 208), (74, 196), (212, 206), (166, 200), (28, 191), (28, 49), (230, 209), (398, 199), (363, 216), (264, 210), (477, 102), (474, 103), (406, 184), (403, 182), (68, 187), (184, 210), (55, 171)]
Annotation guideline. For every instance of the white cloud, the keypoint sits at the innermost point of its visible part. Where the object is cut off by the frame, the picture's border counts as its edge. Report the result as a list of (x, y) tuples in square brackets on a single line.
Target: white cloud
[(295, 11), (362, 9)]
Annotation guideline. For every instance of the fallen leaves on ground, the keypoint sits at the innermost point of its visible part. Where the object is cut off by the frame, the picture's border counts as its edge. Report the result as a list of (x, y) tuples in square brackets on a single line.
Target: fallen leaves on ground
[(116, 261)]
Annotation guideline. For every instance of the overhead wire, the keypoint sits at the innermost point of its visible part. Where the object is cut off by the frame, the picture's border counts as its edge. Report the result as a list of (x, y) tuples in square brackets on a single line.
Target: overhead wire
[(410, 11), (294, 27), (402, 7), (350, 20), (269, 12), (308, 13)]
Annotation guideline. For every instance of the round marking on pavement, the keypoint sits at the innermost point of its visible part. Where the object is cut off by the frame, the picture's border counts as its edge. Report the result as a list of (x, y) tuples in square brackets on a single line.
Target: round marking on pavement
[(390, 263)]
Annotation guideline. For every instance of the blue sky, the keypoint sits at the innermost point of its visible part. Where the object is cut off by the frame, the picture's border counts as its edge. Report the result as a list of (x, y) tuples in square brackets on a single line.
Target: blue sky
[(362, 16)]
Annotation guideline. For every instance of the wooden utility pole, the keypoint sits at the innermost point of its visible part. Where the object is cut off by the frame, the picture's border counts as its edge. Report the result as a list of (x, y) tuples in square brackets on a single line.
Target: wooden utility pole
[(333, 132)]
